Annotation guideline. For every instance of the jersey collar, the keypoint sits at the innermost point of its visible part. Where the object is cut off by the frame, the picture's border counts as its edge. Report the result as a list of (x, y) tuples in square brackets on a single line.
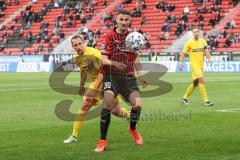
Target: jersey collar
[(81, 54)]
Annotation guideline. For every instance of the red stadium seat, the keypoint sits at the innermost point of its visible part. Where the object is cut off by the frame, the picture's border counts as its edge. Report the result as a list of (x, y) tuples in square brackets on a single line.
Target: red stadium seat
[(155, 19)]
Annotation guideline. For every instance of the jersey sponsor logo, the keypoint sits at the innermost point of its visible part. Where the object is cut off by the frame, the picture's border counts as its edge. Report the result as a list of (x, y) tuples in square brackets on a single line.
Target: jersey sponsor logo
[(4, 67), (198, 50), (88, 65), (120, 45)]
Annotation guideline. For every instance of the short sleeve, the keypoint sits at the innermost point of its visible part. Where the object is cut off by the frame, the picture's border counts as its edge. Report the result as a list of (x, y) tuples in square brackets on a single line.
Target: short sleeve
[(76, 60), (205, 44), (97, 53), (97, 60), (186, 47)]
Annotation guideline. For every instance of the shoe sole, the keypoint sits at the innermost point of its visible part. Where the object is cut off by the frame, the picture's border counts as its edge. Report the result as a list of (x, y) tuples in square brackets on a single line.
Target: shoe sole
[(101, 151), (139, 143), (184, 103), (209, 105), (70, 142)]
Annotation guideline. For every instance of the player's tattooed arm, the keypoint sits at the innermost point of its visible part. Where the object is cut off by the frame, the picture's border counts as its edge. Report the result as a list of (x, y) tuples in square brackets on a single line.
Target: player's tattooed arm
[(138, 70), (83, 77)]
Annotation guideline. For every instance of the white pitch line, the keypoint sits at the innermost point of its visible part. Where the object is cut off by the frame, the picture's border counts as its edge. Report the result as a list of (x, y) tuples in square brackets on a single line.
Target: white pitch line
[(228, 110), (26, 89), (3, 85), (224, 111), (36, 83), (23, 89), (184, 81)]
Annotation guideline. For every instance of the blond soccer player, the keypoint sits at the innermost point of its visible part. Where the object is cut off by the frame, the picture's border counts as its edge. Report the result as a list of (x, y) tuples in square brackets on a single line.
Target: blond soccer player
[(89, 60), (196, 48)]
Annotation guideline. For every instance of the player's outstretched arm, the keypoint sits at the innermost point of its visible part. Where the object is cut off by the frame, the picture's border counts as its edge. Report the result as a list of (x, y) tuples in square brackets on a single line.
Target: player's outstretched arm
[(108, 62), (208, 55), (91, 93), (182, 56), (83, 77)]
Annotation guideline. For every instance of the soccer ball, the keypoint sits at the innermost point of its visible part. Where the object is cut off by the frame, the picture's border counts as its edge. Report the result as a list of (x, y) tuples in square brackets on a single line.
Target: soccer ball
[(134, 41)]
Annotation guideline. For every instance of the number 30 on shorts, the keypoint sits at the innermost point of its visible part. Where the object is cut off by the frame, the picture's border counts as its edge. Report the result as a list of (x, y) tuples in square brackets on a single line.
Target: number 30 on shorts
[(107, 85)]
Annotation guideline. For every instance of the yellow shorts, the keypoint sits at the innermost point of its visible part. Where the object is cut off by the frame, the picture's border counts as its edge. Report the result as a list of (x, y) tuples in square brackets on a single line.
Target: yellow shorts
[(99, 95), (197, 70)]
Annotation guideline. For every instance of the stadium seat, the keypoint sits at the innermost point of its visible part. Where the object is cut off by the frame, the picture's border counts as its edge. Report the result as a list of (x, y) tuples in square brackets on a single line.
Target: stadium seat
[(155, 19)]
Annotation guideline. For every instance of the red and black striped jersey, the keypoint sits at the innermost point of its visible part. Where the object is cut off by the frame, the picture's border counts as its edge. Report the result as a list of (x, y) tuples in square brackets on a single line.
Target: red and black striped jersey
[(114, 47)]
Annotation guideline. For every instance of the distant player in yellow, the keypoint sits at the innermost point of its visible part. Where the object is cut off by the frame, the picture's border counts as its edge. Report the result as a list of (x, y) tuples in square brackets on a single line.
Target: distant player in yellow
[(196, 48), (89, 61)]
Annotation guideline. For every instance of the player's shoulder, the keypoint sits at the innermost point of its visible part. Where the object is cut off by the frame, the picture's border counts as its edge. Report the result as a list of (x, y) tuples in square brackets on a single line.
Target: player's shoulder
[(76, 58), (75, 55), (111, 32), (202, 40), (189, 41), (92, 51)]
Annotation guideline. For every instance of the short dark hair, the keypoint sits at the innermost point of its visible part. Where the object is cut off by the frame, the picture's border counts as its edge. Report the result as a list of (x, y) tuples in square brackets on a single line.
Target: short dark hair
[(124, 12), (77, 37), (195, 27)]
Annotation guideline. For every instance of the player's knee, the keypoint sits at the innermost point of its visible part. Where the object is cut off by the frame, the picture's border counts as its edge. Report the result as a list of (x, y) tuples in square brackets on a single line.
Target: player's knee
[(201, 80), (109, 99), (136, 106), (108, 108), (116, 111), (195, 83), (86, 107), (135, 102), (108, 105)]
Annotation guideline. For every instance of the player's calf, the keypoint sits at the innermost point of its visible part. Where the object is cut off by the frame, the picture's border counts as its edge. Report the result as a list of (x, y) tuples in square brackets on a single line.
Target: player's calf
[(195, 82), (134, 117)]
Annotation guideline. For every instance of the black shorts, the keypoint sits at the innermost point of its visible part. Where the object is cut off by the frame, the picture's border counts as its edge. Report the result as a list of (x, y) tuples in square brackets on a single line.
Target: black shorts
[(120, 84)]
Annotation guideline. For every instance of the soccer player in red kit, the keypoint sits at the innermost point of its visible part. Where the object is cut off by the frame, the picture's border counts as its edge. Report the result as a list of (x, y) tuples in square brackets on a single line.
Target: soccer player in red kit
[(120, 66)]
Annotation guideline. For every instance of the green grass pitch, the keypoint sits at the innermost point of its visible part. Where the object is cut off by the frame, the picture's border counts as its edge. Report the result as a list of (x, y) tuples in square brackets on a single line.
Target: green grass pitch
[(30, 130)]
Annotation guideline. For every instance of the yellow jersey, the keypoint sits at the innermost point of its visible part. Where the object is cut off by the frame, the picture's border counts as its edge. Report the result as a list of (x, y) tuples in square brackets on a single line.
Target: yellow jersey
[(195, 49), (90, 61)]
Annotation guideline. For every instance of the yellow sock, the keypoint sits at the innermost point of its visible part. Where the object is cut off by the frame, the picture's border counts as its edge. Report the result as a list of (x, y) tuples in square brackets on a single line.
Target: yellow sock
[(203, 92), (78, 123), (125, 113), (189, 91)]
